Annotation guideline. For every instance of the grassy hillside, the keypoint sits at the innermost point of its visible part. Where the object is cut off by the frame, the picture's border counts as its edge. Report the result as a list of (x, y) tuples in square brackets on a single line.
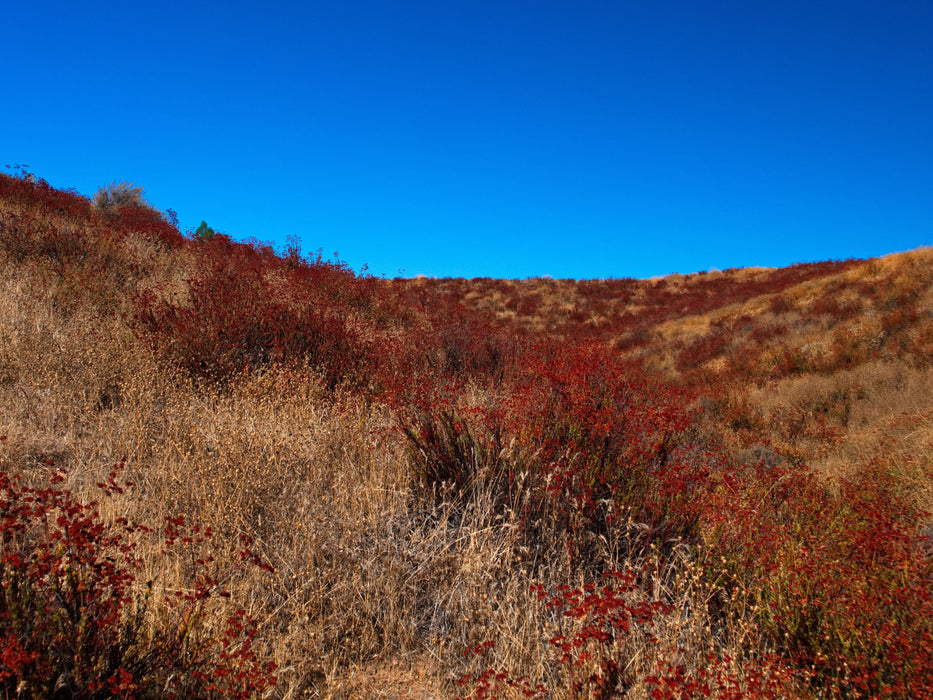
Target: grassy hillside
[(228, 471)]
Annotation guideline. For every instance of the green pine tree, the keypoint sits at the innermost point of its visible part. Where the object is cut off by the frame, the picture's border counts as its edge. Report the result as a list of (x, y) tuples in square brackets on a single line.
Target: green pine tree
[(204, 232)]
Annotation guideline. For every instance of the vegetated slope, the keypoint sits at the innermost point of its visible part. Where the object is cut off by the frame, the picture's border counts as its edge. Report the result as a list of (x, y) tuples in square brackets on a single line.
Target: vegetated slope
[(705, 484), (830, 359)]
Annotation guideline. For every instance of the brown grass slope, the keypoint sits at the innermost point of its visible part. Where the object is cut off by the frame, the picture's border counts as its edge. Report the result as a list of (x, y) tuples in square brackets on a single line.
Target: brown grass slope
[(376, 589)]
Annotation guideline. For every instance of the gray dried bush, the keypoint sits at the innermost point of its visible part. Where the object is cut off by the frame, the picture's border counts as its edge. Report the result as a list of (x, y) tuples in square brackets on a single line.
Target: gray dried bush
[(117, 195)]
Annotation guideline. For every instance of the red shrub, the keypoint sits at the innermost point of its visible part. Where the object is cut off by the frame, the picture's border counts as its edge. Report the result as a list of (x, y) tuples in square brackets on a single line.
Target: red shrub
[(608, 613), (769, 677), (611, 441), (235, 318), (72, 620), (608, 443), (149, 222), (844, 585), (39, 196)]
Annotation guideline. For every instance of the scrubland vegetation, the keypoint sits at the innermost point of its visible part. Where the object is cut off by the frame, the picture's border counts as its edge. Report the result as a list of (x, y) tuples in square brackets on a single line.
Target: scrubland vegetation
[(226, 471)]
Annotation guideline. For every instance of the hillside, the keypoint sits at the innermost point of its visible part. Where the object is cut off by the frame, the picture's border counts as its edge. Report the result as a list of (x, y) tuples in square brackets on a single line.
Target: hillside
[(230, 471), (838, 347)]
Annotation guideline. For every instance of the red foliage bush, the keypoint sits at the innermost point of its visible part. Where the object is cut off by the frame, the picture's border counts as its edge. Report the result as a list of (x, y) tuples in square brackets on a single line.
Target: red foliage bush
[(149, 222), (237, 317), (39, 196), (845, 586), (614, 443), (770, 678), (603, 441), (72, 620), (608, 613)]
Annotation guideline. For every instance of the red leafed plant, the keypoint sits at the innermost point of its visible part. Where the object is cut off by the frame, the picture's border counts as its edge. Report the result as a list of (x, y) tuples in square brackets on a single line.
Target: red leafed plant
[(493, 683), (608, 615), (74, 622), (843, 583)]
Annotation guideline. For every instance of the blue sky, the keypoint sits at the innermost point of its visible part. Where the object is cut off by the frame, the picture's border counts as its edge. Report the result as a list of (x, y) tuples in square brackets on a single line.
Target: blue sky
[(512, 139)]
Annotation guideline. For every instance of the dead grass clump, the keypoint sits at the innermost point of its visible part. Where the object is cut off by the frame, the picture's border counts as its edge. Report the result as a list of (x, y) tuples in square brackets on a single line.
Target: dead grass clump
[(118, 195)]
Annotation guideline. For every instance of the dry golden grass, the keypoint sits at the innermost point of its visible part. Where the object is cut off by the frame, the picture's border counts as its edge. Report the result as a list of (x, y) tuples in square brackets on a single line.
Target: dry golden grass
[(374, 589), (879, 409)]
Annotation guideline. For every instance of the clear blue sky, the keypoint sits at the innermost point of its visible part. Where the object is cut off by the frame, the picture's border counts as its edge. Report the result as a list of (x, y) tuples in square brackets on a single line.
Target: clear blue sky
[(505, 139)]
